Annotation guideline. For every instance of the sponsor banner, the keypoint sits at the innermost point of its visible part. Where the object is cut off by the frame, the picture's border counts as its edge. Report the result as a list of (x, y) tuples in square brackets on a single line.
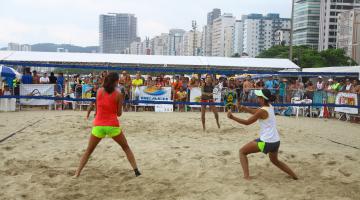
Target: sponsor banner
[(86, 91), (164, 108), (346, 99), (146, 93), (37, 90), (195, 96)]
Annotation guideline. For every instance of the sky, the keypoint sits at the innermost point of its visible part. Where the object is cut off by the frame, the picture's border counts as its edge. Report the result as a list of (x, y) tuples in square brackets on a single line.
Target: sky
[(77, 21)]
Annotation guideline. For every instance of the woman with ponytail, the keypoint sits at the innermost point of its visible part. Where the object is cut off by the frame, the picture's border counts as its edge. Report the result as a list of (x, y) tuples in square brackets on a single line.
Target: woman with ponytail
[(108, 107), (269, 141)]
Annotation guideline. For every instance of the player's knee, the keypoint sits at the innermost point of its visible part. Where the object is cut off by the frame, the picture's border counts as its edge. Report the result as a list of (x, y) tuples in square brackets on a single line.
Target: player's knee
[(242, 151), (274, 160)]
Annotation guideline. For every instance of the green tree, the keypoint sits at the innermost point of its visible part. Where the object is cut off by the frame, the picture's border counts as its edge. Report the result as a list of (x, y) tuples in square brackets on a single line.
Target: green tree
[(236, 55), (336, 57), (307, 57)]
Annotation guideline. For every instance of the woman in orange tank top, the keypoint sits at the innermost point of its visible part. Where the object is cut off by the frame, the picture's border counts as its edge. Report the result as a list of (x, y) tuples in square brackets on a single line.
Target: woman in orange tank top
[(108, 108)]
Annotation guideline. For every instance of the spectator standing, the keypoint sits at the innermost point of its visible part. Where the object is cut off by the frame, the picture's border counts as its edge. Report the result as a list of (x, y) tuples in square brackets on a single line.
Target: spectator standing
[(247, 86), (27, 78), (45, 79), (181, 96), (348, 87), (137, 82), (60, 83), (319, 94), (272, 85), (309, 91), (283, 85), (35, 78), (52, 78)]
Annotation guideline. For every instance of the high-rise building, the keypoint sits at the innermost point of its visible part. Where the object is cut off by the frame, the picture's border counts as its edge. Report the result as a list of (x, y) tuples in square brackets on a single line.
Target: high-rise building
[(282, 37), (206, 41), (135, 48), (145, 47), (117, 31), (306, 23), (348, 33), (222, 38), (18, 47), (207, 32), (159, 44), (238, 38), (259, 32), (214, 14), (175, 40), (189, 45), (329, 10)]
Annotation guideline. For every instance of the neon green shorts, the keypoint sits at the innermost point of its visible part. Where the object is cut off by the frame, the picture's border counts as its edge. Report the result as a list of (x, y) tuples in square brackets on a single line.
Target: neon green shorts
[(103, 131)]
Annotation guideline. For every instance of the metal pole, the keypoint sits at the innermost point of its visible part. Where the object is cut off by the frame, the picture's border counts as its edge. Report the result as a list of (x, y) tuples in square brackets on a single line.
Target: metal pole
[(291, 30)]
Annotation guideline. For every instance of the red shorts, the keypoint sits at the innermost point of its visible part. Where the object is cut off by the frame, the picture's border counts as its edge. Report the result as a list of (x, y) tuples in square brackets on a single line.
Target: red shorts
[(207, 100)]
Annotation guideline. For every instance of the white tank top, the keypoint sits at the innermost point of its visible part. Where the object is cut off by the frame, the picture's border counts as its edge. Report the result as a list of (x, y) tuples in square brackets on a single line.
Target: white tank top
[(348, 87), (268, 131)]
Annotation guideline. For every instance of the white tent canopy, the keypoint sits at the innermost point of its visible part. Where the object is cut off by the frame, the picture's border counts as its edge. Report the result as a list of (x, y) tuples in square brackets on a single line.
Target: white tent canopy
[(148, 60), (350, 69)]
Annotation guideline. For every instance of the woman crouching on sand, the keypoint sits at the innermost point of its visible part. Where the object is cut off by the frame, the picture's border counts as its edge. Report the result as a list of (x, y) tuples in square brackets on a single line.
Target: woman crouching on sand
[(108, 108), (269, 141)]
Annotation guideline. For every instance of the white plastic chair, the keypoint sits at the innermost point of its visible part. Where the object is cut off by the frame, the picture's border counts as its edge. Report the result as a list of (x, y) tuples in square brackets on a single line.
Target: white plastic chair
[(312, 111), (297, 109)]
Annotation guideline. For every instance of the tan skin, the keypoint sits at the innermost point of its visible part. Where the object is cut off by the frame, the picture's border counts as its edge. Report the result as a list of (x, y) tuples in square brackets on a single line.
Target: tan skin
[(212, 107), (252, 147), (120, 139)]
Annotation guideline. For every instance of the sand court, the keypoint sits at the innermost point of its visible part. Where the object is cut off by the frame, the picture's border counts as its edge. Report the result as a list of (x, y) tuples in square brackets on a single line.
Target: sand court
[(178, 160)]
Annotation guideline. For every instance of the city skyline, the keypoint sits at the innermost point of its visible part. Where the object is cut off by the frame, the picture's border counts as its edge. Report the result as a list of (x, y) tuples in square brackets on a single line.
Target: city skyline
[(76, 22)]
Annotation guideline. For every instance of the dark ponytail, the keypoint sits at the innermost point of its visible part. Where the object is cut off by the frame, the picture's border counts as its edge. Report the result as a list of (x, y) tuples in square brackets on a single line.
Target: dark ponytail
[(109, 82), (271, 97)]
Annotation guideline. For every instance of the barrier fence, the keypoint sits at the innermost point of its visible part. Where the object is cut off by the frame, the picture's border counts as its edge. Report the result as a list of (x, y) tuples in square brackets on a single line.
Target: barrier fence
[(340, 102)]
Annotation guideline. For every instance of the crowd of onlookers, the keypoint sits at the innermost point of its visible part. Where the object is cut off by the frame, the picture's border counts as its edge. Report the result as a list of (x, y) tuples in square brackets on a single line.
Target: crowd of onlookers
[(318, 89)]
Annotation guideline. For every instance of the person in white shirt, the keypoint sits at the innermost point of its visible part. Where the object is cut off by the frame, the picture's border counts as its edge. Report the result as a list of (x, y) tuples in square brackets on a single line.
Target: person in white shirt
[(269, 141), (45, 79), (320, 84)]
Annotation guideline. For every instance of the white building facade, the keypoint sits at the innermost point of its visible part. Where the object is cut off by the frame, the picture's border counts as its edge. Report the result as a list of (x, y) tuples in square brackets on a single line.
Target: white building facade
[(282, 37), (191, 47), (259, 32), (222, 31), (329, 10), (160, 44), (348, 33), (238, 38)]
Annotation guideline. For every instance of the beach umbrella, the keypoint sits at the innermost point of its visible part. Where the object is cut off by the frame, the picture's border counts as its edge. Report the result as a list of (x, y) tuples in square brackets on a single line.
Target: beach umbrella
[(9, 72)]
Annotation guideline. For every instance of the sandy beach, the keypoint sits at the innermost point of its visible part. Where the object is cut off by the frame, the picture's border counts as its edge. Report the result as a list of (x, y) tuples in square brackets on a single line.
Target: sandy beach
[(178, 160)]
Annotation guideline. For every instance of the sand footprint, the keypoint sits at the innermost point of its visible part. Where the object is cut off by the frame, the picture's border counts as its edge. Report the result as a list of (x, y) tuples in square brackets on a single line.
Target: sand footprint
[(8, 148), (331, 162), (317, 155), (350, 158), (347, 174)]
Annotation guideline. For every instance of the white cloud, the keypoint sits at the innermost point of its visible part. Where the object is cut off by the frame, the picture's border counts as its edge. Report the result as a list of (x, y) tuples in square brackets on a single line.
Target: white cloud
[(76, 21), (69, 33), (152, 28), (13, 30), (21, 32)]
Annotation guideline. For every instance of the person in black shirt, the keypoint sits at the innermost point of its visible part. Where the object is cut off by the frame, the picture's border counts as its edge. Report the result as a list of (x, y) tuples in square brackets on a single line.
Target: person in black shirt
[(52, 78)]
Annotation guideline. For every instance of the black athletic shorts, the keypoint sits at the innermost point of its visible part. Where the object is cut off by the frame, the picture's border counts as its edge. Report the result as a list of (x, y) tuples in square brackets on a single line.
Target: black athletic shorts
[(267, 147)]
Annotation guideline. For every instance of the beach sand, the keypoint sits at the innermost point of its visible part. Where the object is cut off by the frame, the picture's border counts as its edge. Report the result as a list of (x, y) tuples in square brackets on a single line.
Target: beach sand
[(178, 160)]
